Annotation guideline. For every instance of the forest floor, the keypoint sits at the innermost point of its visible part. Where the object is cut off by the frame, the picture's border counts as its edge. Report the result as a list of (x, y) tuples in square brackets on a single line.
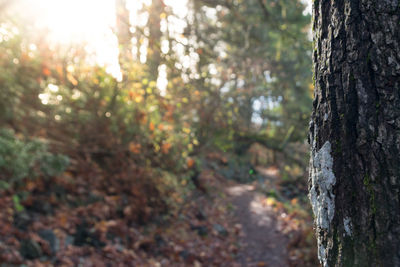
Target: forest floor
[(263, 243), (90, 221)]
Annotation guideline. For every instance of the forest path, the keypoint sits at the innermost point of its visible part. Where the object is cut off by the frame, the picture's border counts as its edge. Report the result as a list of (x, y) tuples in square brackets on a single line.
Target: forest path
[(262, 241)]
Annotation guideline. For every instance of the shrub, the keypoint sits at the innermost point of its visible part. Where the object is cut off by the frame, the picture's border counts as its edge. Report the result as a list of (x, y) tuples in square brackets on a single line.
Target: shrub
[(21, 159)]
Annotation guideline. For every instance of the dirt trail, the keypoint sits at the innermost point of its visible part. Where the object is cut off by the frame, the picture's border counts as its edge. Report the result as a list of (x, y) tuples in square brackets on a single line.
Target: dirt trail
[(263, 243)]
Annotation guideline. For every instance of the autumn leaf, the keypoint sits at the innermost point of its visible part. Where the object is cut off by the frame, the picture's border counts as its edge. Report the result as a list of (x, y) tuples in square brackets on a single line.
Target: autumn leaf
[(59, 70), (102, 226), (190, 163), (72, 79), (46, 71), (131, 94), (269, 201), (151, 126), (141, 117), (63, 219), (165, 148), (30, 185), (134, 148)]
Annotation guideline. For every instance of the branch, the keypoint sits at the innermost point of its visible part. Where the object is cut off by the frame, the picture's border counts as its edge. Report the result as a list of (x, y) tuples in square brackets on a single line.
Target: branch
[(264, 9)]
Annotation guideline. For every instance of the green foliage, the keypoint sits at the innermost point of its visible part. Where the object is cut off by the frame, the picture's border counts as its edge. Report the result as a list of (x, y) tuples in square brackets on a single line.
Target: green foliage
[(17, 204), (265, 62), (20, 159), (239, 58), (53, 164)]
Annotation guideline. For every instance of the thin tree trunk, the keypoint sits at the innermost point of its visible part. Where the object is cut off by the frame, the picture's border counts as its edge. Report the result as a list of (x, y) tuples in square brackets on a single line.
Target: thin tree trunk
[(355, 132), (124, 36), (154, 51)]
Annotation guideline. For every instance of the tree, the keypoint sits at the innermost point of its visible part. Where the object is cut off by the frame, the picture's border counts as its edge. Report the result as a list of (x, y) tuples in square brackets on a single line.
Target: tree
[(124, 36), (355, 132), (253, 66)]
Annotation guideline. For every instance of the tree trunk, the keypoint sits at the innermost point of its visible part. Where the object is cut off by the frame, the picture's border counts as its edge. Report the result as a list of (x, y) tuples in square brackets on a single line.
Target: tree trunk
[(355, 132), (154, 49), (124, 36)]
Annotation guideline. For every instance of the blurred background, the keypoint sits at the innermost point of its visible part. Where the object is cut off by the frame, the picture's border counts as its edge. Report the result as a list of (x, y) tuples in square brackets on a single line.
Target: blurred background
[(121, 121)]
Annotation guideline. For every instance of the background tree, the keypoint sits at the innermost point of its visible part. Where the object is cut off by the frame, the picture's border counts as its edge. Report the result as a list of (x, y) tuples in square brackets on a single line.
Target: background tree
[(355, 132), (184, 96), (254, 61)]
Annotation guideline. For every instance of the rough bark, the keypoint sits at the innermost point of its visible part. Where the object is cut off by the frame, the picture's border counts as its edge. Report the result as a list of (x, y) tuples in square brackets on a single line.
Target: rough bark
[(355, 132)]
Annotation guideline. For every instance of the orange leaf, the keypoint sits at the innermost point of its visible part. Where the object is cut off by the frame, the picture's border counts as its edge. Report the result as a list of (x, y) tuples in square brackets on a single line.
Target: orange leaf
[(102, 226), (46, 71), (141, 117), (72, 79), (134, 148), (59, 70), (165, 148), (190, 163), (63, 219), (30, 186), (151, 126)]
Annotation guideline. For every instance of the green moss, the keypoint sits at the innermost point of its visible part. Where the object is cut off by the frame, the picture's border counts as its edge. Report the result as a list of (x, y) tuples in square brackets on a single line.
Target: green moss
[(372, 247), (377, 107), (371, 192), (348, 251), (366, 180), (338, 147)]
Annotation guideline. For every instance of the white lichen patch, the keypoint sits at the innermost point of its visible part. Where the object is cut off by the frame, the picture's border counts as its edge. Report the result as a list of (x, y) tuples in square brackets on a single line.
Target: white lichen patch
[(322, 182), (322, 255), (347, 226)]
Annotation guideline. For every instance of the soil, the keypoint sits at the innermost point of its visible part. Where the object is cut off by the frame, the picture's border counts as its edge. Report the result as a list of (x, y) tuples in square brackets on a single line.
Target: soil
[(262, 241)]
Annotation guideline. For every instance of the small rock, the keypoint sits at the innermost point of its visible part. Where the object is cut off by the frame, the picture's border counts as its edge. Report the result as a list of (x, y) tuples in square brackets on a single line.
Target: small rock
[(30, 249), (69, 240), (184, 254), (22, 220), (51, 238), (159, 240), (220, 229), (201, 230), (84, 236), (42, 207), (200, 215)]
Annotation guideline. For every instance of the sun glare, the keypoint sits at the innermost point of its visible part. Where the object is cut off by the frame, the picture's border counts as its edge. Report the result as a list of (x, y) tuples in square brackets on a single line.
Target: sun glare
[(92, 22), (75, 20), (81, 21)]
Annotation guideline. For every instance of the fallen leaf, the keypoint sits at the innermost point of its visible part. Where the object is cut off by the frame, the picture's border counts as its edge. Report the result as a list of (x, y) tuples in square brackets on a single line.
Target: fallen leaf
[(134, 148)]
